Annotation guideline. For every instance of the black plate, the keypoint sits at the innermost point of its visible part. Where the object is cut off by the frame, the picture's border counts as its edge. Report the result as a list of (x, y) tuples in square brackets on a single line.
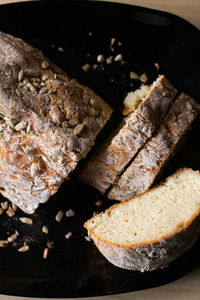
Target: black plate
[(72, 34)]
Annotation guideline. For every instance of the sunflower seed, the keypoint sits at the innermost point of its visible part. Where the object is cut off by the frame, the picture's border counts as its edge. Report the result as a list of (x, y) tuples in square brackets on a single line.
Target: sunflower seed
[(100, 58), (14, 206), (34, 169), (21, 125), (98, 203), (86, 67), (3, 243), (10, 212), (43, 90), (45, 229), (68, 235), (50, 244), (44, 77), (4, 205), (73, 122), (26, 220), (45, 253), (28, 128), (45, 64), (70, 213), (31, 87), (88, 239), (20, 75), (10, 123), (17, 92), (78, 129), (13, 237), (65, 125), (134, 75), (25, 81), (109, 60), (24, 248), (60, 49), (59, 216), (157, 66), (118, 57), (35, 84), (93, 112), (20, 150), (144, 77), (113, 40)]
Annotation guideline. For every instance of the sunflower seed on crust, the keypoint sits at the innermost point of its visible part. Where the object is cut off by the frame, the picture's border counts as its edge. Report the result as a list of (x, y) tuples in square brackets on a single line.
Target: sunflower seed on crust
[(21, 125), (20, 75), (78, 129)]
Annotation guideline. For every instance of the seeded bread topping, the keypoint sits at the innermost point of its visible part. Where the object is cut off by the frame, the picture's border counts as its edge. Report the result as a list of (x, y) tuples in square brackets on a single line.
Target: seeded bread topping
[(48, 123)]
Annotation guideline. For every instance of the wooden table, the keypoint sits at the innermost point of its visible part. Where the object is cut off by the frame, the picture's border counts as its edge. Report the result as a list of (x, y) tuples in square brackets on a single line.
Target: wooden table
[(188, 287)]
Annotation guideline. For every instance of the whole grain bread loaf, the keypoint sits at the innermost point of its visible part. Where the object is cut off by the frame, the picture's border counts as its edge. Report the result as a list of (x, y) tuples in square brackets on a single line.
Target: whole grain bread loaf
[(48, 123), (149, 231), (140, 175), (102, 170)]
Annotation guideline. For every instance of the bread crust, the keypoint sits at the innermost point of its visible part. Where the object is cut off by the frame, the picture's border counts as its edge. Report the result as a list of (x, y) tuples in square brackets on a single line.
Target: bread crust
[(103, 170), (44, 110), (154, 254), (142, 172)]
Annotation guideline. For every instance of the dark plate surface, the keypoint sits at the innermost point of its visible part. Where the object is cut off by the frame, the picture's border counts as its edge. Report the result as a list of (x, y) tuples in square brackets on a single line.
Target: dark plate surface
[(73, 34)]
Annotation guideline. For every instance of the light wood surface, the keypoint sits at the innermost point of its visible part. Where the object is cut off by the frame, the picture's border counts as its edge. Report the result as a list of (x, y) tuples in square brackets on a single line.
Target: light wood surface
[(188, 287)]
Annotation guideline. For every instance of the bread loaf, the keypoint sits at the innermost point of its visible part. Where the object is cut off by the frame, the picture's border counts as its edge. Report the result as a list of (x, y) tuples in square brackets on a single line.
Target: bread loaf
[(149, 231), (48, 123), (142, 172), (101, 171)]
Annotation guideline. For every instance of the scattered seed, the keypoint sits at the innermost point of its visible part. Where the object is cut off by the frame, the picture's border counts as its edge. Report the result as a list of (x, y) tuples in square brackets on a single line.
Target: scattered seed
[(109, 60), (59, 216), (134, 75), (26, 220), (94, 67), (45, 229), (50, 244), (100, 58), (10, 212), (45, 64), (73, 122), (20, 75), (98, 203), (60, 49), (88, 238), (86, 99), (45, 253), (78, 129), (143, 78), (157, 66), (70, 213), (25, 81), (118, 57), (21, 125), (113, 40), (4, 205), (68, 235), (13, 237), (3, 243), (24, 248), (34, 169), (94, 213), (86, 67), (14, 207)]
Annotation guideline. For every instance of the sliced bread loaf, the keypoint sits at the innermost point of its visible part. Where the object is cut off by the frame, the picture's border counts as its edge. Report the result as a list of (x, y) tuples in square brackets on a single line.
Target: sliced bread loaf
[(102, 170), (142, 172), (151, 230)]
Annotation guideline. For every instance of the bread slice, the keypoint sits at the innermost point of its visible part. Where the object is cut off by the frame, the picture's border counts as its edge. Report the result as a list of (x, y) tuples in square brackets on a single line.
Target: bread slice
[(149, 231), (48, 122), (101, 172), (142, 172)]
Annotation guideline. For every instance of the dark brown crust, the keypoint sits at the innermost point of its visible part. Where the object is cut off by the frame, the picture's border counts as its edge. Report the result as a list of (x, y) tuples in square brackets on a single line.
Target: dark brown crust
[(154, 254), (35, 91), (140, 175), (102, 171)]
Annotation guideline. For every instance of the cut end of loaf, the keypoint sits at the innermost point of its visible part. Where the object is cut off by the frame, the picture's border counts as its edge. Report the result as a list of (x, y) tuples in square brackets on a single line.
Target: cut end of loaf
[(153, 216)]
